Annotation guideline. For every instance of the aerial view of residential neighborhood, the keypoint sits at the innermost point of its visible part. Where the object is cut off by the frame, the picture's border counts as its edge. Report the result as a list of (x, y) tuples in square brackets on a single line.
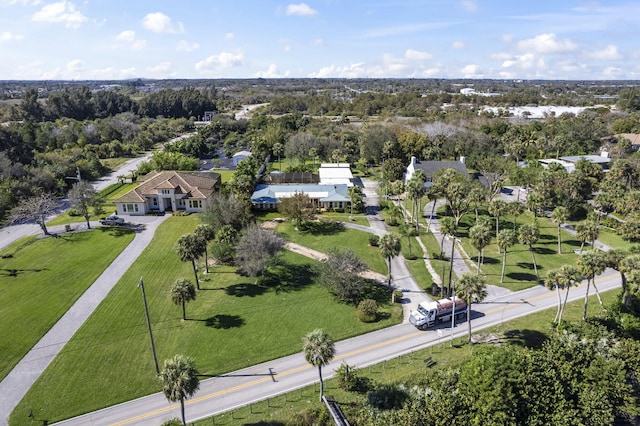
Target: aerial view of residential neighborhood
[(319, 213)]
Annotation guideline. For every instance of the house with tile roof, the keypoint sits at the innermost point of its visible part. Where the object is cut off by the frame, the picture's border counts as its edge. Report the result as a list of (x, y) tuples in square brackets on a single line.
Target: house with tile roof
[(326, 197), (167, 191)]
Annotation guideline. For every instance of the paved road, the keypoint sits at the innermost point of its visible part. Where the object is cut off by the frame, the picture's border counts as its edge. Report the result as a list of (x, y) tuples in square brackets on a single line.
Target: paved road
[(239, 388)]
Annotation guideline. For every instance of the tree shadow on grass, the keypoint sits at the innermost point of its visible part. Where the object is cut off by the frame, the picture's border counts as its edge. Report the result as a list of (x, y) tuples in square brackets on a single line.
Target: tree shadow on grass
[(378, 292), (245, 289), (222, 321), (8, 272), (521, 276), (528, 338), (544, 250), (489, 261), (116, 231), (529, 266), (321, 227), (286, 277)]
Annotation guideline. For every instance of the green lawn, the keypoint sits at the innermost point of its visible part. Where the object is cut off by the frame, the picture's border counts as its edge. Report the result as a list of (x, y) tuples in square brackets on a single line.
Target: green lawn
[(43, 277), (405, 369), (234, 323), (358, 241)]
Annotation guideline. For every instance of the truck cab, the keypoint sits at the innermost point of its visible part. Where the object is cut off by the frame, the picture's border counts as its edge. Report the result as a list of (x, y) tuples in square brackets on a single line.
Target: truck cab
[(429, 314)]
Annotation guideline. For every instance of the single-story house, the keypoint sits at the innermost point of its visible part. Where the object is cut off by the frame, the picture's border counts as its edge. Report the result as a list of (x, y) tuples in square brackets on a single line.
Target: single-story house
[(634, 138), (239, 156), (569, 162), (164, 191), (326, 197), (335, 174), (430, 168)]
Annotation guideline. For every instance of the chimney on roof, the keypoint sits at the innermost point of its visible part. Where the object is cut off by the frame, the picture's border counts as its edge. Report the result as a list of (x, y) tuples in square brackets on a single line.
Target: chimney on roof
[(462, 160), (413, 160)]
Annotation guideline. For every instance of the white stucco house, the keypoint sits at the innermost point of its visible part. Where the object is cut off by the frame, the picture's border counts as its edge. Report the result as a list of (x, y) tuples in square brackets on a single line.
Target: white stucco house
[(335, 174), (160, 192), (325, 197)]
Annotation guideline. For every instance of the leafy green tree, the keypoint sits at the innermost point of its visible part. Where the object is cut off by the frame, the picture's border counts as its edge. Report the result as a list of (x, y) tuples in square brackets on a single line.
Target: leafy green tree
[(207, 233), (189, 248), (297, 208), (472, 289), (182, 292), (82, 197), (340, 274), (319, 350), (179, 378), (560, 215), (529, 235), (389, 248), (257, 249), (228, 209), (506, 238)]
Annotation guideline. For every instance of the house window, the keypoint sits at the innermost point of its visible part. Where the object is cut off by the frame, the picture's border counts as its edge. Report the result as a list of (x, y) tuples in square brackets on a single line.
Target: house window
[(195, 204), (155, 201)]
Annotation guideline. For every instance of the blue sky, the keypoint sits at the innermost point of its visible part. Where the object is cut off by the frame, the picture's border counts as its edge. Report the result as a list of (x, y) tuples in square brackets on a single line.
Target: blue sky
[(115, 39)]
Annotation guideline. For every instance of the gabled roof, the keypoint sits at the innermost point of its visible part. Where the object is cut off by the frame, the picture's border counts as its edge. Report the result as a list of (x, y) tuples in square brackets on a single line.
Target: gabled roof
[(431, 167), (633, 137), (193, 185)]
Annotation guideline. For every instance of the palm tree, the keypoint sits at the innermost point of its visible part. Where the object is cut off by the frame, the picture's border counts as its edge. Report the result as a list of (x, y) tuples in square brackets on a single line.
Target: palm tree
[(529, 235), (182, 292), (207, 233), (278, 149), (319, 350), (480, 238), (190, 247), (571, 277), (590, 264), (406, 231), (477, 195), (584, 231), (559, 215), (447, 227), (516, 208), (471, 289), (506, 238), (389, 248), (496, 209), (179, 380)]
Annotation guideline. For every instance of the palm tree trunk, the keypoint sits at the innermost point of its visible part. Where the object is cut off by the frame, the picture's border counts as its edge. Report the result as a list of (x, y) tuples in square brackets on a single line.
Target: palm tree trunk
[(206, 259), (184, 311), (564, 303), (593, 278), (533, 257), (586, 300), (478, 271), (321, 382), (468, 318), (497, 230), (389, 264), (557, 318), (581, 247), (184, 421), (88, 224), (559, 241), (195, 272), (504, 263)]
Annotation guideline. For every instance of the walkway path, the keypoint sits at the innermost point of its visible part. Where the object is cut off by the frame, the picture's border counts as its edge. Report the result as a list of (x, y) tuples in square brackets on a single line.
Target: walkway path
[(16, 384)]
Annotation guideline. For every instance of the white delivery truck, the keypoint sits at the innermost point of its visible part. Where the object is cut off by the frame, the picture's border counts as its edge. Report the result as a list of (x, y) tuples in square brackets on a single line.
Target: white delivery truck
[(429, 314)]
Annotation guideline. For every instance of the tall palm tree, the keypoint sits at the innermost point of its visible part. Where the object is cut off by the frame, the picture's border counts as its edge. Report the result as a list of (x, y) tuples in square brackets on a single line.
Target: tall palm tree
[(476, 196), (496, 209), (182, 292), (480, 238), (389, 248), (559, 215), (180, 381), (472, 289), (570, 277), (590, 264), (529, 235), (207, 233), (584, 231), (447, 227), (278, 149), (319, 350), (190, 247), (516, 208), (506, 238)]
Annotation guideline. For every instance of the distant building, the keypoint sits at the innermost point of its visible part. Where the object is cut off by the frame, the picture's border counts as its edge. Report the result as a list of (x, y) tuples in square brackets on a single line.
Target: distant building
[(239, 156), (325, 197), (634, 138), (164, 191), (569, 162), (430, 168)]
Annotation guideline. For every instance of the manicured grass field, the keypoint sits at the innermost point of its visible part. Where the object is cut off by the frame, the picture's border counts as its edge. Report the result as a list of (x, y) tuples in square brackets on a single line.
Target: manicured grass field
[(43, 277), (358, 241), (405, 369), (232, 324)]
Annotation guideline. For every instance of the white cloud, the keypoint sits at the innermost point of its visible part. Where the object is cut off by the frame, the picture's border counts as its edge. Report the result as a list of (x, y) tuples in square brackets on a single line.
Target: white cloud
[(160, 23), (163, 68), (76, 65), (272, 72), (60, 12), (612, 73), (471, 71), (217, 62), (501, 56), (229, 36), (127, 36), (609, 53), (415, 55), (458, 45), (469, 6), (23, 2), (7, 36), (547, 43), (301, 9), (507, 38), (185, 46), (350, 71)]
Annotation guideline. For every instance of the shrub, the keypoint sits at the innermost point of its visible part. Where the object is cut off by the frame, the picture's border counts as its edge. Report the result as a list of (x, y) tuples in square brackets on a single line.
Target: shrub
[(397, 296), (367, 310), (311, 416), (387, 397), (222, 252), (172, 422), (392, 221), (348, 379), (374, 240), (73, 212)]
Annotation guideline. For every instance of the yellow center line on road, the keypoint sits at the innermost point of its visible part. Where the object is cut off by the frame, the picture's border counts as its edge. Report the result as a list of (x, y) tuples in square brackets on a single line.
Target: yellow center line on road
[(338, 358)]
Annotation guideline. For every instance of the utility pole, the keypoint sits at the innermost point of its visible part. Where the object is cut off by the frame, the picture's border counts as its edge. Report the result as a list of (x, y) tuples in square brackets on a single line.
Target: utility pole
[(146, 310), (453, 311)]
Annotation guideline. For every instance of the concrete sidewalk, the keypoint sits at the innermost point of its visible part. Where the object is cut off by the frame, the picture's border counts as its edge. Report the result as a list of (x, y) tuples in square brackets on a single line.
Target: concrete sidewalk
[(16, 384)]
